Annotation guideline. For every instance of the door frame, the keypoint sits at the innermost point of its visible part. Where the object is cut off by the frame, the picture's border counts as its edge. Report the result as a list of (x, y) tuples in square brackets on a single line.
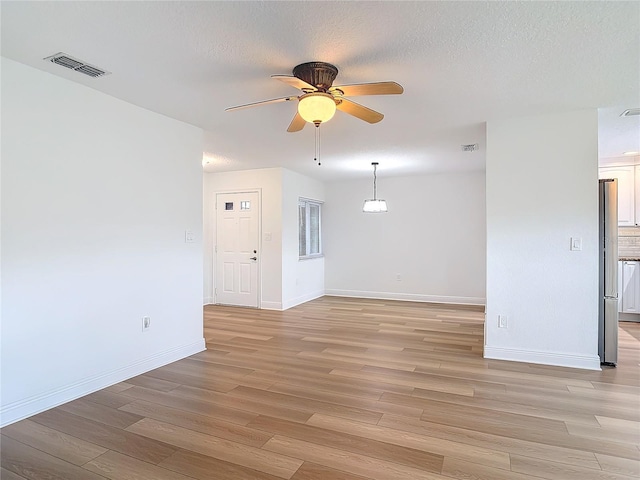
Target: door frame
[(215, 242)]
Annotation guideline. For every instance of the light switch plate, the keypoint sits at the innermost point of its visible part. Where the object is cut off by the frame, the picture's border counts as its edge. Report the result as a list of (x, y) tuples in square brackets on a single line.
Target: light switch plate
[(576, 244)]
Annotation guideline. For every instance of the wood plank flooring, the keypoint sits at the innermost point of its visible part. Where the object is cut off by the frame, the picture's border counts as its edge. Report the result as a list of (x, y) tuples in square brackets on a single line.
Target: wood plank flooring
[(343, 389)]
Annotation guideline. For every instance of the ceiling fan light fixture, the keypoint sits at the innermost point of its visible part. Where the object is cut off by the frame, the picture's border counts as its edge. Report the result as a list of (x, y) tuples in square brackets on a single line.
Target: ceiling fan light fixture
[(317, 107)]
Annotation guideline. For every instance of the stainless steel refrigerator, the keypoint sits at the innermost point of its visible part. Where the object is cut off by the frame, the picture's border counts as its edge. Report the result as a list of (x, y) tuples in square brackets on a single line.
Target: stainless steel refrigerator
[(608, 309)]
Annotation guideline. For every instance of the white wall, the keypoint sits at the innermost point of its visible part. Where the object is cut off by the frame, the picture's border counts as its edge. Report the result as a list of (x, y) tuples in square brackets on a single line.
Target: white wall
[(302, 280), (96, 197), (541, 191), (285, 281), (433, 237), (268, 181)]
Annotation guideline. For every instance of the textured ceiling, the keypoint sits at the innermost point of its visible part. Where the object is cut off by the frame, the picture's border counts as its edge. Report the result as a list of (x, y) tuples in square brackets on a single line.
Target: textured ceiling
[(461, 64)]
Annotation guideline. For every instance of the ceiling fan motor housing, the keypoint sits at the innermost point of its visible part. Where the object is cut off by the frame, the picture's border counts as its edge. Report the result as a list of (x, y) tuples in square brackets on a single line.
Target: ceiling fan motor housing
[(319, 74)]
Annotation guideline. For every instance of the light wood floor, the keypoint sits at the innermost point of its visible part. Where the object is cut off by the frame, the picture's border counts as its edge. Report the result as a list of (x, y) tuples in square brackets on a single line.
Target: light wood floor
[(343, 389)]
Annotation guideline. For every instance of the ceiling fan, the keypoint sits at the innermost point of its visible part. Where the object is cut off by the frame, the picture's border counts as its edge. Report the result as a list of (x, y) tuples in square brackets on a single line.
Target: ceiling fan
[(320, 99)]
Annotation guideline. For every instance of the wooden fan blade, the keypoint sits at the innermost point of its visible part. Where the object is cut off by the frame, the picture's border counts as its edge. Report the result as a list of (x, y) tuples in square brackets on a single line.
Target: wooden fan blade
[(265, 102), (379, 88), (297, 123), (359, 111), (295, 82)]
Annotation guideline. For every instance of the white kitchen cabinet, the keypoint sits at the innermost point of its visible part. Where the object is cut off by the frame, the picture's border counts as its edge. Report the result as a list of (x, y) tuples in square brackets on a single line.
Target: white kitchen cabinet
[(630, 287), (627, 198)]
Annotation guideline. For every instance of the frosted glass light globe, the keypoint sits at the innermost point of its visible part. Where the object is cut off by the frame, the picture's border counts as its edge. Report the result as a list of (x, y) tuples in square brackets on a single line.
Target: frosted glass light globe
[(317, 107)]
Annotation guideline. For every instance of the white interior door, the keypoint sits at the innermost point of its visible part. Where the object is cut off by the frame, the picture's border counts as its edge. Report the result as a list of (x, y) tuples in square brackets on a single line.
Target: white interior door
[(237, 248)]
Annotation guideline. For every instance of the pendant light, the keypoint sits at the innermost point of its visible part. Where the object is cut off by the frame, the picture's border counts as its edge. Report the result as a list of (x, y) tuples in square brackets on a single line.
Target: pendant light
[(374, 205)]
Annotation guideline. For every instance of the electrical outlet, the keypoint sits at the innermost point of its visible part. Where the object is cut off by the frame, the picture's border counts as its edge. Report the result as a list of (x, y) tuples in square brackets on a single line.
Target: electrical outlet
[(398, 277), (502, 321), (146, 323)]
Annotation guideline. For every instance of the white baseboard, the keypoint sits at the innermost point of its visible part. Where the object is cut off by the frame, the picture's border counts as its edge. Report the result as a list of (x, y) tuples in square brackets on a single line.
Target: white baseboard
[(22, 409), (208, 301), (587, 362), (271, 305), (409, 297), (302, 299), (629, 317)]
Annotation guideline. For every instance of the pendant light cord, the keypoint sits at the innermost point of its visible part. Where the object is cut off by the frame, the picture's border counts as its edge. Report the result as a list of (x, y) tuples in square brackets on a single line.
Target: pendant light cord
[(375, 166)]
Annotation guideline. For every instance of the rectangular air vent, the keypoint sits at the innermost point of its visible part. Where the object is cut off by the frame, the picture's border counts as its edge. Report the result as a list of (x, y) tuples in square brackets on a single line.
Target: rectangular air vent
[(78, 65), (472, 147), (630, 112)]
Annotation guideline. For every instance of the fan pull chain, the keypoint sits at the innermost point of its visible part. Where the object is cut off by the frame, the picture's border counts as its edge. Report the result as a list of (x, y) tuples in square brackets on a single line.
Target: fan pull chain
[(317, 158)]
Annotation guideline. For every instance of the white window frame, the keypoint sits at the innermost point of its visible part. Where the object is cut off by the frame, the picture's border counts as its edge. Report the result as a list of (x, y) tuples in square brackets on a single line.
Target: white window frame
[(306, 202)]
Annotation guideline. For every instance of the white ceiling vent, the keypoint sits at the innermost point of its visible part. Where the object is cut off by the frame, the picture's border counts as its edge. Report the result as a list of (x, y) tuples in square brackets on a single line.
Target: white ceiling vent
[(472, 147), (630, 112), (78, 65)]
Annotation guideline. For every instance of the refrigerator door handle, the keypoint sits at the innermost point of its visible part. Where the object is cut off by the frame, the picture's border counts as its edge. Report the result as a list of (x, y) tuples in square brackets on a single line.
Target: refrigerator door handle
[(611, 239)]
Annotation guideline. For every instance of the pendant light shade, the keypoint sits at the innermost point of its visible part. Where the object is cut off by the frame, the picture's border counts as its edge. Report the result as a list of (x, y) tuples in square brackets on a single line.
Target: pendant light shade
[(374, 205), (317, 107)]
